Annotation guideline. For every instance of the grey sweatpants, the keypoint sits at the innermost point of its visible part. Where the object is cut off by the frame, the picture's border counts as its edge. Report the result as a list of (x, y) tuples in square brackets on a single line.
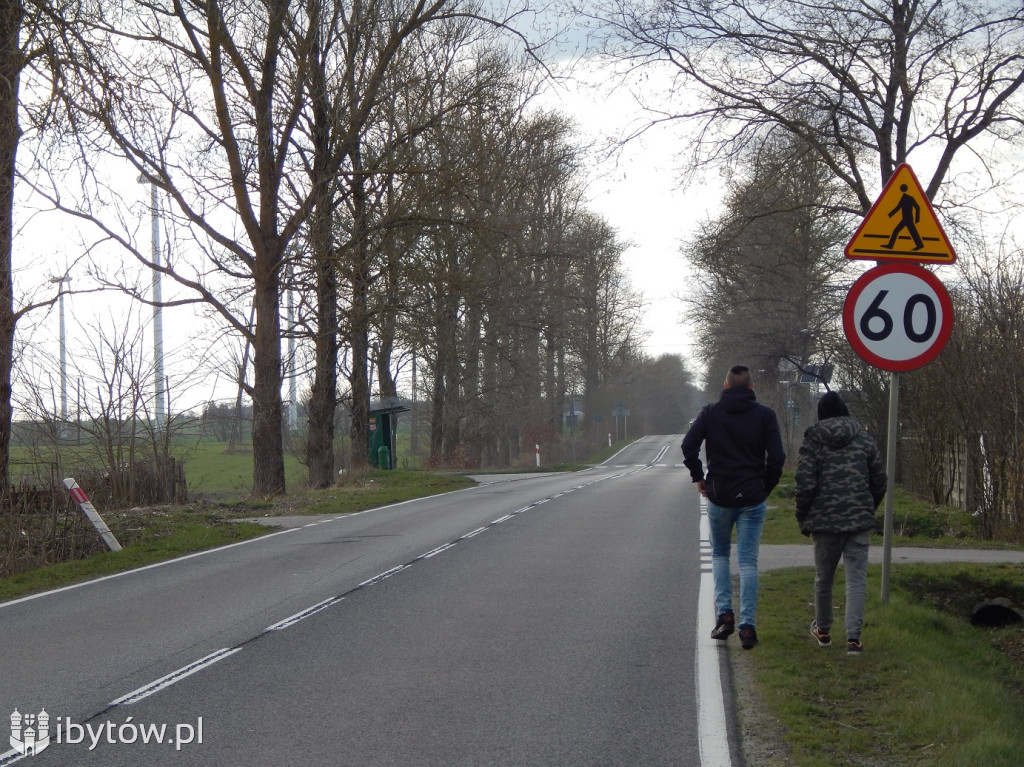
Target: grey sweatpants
[(853, 549)]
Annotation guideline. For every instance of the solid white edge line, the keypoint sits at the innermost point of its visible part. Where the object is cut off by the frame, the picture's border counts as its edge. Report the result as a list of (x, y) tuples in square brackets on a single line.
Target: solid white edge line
[(712, 732), (153, 566), (175, 676), (205, 553)]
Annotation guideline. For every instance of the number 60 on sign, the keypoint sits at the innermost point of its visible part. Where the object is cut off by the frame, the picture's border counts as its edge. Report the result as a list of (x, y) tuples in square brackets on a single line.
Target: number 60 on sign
[(898, 317)]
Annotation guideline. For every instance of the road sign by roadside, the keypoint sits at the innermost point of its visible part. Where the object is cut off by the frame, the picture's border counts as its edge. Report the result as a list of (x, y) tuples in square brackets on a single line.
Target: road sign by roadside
[(898, 317), (901, 226)]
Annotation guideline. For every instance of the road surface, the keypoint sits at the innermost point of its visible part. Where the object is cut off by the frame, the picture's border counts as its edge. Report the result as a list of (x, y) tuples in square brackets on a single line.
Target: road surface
[(544, 620)]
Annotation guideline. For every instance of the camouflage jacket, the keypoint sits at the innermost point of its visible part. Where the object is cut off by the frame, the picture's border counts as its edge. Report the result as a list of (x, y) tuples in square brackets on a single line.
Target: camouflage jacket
[(840, 478)]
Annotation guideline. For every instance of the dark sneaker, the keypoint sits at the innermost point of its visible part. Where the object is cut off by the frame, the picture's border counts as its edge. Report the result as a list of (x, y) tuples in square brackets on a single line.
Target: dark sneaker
[(725, 625), (823, 637), (854, 647), (748, 637)]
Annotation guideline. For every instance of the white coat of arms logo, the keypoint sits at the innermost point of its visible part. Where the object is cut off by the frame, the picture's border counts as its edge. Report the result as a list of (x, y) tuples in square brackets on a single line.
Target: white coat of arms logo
[(30, 733)]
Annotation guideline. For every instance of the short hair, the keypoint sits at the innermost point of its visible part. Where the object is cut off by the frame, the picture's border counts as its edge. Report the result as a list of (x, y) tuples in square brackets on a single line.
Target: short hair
[(739, 375)]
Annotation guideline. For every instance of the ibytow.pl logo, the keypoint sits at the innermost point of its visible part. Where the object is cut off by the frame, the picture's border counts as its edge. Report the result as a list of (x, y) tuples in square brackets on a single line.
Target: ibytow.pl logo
[(31, 733)]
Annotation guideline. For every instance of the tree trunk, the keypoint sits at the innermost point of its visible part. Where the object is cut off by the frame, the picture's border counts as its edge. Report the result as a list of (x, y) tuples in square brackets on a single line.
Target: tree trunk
[(324, 393), (11, 61), (359, 321), (267, 422)]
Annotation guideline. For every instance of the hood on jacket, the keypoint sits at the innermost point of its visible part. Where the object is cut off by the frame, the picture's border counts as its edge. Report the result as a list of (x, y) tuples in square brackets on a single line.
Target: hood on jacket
[(834, 432), (737, 399)]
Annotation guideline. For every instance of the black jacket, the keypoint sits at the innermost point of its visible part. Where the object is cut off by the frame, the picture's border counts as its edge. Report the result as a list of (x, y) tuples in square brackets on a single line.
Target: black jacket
[(743, 447)]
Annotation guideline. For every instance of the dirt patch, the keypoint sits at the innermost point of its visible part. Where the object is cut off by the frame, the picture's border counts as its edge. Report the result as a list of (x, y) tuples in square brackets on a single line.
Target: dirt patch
[(761, 735)]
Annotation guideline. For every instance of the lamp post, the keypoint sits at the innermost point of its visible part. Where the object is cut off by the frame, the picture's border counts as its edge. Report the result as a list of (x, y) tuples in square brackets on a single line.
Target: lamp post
[(59, 281), (158, 320)]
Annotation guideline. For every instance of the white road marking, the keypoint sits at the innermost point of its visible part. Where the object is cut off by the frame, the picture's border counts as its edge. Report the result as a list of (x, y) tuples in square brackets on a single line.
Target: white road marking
[(712, 731), (175, 676)]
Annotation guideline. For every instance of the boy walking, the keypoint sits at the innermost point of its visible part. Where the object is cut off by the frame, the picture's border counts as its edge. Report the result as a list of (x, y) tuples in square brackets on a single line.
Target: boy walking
[(840, 481)]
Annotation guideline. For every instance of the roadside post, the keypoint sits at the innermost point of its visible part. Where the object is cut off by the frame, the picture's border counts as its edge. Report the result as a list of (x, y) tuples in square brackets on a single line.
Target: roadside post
[(898, 315), (97, 521)]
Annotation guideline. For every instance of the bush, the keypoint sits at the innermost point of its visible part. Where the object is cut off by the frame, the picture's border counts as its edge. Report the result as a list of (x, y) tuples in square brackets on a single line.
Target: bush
[(915, 518)]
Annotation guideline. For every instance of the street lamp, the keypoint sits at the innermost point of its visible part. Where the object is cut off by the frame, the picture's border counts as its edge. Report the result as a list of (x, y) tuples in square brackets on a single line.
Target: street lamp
[(63, 351), (158, 320)]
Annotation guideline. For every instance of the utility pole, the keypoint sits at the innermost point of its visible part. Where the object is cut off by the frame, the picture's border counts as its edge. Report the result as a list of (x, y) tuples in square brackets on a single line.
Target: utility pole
[(59, 281), (158, 320)]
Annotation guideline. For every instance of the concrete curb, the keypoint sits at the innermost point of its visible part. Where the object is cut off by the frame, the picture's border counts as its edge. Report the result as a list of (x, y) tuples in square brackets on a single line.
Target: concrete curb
[(775, 557)]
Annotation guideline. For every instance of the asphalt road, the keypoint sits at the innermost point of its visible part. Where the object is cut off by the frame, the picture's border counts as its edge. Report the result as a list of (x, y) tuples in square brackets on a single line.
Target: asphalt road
[(548, 620)]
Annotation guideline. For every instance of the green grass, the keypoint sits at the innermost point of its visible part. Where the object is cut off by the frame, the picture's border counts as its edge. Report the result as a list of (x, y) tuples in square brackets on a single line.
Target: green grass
[(381, 488), (154, 534), (213, 471), (930, 689)]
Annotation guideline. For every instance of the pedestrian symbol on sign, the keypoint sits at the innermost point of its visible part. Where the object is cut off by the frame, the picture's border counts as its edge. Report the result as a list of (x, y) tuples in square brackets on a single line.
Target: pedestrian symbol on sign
[(910, 214), (901, 226)]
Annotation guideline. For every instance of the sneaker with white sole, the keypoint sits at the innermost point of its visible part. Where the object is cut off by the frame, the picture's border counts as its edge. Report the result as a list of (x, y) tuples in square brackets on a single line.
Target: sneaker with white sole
[(823, 637)]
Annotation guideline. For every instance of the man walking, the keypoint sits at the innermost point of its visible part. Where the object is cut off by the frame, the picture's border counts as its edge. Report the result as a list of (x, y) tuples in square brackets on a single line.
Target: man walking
[(744, 453), (840, 481)]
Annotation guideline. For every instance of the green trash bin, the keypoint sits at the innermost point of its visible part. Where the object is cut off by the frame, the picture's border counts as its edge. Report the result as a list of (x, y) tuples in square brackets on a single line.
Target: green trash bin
[(384, 457)]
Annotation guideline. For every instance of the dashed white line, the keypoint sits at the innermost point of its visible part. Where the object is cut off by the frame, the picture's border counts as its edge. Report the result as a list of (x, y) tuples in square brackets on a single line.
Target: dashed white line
[(283, 624), (218, 655), (435, 552), (175, 676), (383, 576)]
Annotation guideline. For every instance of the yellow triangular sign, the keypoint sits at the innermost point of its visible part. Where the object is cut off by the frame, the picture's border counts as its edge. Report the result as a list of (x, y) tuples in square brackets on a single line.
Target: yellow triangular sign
[(901, 226)]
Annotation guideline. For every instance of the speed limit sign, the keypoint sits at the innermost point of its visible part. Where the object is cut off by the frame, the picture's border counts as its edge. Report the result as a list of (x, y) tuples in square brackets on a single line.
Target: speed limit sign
[(898, 316)]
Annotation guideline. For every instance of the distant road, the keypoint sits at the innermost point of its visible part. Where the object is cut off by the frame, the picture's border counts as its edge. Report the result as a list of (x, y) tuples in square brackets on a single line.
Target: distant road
[(548, 620)]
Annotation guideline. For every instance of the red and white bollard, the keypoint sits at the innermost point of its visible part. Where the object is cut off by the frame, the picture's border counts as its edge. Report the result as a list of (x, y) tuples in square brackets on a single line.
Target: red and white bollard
[(537, 451), (97, 521)]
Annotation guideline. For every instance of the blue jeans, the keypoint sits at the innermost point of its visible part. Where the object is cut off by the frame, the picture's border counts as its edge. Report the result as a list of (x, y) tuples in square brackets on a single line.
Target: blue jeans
[(748, 521)]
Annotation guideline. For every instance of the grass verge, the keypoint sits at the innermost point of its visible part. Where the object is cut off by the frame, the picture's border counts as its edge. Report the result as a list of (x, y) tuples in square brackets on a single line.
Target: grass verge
[(157, 533), (930, 688)]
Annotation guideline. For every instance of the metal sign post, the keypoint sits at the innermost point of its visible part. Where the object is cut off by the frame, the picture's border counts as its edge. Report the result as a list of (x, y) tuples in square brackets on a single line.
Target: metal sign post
[(898, 316), (890, 487)]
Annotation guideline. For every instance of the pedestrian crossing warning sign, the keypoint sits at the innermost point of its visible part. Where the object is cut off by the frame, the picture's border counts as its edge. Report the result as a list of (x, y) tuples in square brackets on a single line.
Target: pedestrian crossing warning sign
[(901, 226)]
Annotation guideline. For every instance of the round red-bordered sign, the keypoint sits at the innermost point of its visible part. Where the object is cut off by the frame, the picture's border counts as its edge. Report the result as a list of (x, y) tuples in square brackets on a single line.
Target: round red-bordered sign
[(898, 316)]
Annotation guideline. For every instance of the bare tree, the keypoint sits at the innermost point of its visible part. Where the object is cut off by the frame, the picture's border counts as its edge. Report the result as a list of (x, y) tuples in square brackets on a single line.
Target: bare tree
[(964, 413), (865, 84), (770, 267), (206, 100)]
